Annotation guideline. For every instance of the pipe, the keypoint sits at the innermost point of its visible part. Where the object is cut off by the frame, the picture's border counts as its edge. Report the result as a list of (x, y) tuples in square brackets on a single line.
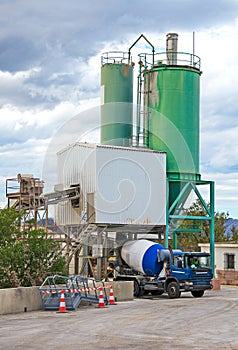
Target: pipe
[(172, 48), (141, 36)]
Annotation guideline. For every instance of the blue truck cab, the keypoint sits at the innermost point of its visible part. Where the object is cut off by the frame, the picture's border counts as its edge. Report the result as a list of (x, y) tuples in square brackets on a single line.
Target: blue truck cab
[(188, 272)]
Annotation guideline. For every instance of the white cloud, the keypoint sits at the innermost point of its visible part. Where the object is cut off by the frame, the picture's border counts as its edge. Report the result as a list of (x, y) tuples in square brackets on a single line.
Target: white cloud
[(220, 148), (226, 192), (12, 86), (220, 64), (22, 125), (50, 72)]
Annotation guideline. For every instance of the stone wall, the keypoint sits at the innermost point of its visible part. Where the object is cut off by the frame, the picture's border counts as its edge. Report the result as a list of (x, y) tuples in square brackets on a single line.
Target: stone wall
[(229, 277)]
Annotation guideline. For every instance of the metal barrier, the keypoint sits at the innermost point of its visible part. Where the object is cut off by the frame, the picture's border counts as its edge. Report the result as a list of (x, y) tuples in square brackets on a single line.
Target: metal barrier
[(76, 289)]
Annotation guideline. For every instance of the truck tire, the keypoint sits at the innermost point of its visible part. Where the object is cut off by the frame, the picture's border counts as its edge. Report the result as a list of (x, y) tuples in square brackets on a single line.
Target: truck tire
[(138, 291), (197, 293), (173, 290)]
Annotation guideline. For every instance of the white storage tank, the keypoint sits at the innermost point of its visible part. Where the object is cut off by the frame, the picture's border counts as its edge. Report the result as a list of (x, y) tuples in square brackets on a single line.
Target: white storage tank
[(119, 185)]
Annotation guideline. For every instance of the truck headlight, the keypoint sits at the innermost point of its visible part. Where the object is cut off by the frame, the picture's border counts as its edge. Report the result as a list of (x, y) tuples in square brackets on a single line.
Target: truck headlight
[(188, 283)]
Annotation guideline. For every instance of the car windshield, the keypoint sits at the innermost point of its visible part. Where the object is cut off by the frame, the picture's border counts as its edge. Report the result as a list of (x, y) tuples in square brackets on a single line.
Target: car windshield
[(197, 261)]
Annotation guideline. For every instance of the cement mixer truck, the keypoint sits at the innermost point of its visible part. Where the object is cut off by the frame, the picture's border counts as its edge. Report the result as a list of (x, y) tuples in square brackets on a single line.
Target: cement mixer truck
[(157, 270)]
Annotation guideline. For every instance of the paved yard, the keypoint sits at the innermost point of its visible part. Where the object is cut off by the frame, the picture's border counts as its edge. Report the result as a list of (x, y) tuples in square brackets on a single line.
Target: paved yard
[(210, 322)]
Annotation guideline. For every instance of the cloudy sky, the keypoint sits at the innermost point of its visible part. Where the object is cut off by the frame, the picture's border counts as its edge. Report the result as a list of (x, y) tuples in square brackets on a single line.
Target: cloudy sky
[(50, 72)]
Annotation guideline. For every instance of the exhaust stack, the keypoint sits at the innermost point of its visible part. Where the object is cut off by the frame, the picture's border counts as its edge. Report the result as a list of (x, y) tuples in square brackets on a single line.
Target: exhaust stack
[(172, 48)]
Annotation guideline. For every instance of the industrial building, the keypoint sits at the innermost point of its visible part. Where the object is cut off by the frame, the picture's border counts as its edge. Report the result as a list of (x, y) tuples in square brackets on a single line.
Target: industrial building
[(137, 182)]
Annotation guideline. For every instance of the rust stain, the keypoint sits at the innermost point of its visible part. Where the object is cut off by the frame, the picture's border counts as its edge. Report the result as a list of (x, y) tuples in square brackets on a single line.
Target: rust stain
[(125, 70)]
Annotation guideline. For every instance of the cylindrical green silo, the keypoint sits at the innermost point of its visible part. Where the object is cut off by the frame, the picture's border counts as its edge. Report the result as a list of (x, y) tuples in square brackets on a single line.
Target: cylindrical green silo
[(116, 102), (172, 98)]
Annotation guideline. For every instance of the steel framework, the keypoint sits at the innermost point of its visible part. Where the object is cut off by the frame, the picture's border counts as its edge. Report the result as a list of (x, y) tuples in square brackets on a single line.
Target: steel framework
[(176, 216)]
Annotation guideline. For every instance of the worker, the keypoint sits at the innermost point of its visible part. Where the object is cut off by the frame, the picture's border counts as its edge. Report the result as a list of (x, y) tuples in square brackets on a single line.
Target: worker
[(194, 263)]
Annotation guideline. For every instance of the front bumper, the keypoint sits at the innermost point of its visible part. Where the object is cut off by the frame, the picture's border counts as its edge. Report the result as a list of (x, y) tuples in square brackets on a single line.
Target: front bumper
[(189, 287)]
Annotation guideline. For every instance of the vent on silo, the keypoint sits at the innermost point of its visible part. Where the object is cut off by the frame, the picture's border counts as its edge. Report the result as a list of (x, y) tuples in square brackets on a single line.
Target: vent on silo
[(172, 48)]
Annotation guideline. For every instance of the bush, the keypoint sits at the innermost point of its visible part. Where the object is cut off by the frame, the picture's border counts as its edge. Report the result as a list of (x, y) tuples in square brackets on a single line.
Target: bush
[(27, 256)]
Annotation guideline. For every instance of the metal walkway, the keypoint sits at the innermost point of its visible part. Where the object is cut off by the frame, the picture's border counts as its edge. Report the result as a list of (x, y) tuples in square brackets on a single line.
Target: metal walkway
[(76, 289)]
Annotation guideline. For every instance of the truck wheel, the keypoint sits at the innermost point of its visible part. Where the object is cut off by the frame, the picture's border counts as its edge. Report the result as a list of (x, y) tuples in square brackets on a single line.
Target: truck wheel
[(173, 290), (197, 293), (138, 291)]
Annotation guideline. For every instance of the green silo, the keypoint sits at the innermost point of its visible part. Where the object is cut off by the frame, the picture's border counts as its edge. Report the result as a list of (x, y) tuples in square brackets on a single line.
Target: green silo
[(116, 100), (172, 93), (171, 122)]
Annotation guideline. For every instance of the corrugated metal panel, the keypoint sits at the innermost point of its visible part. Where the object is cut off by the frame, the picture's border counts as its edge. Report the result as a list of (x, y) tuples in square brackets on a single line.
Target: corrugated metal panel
[(76, 165), (129, 185), (65, 214)]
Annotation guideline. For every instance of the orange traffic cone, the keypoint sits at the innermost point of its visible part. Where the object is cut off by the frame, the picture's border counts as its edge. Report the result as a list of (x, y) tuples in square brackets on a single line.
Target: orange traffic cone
[(111, 297), (62, 306), (101, 299)]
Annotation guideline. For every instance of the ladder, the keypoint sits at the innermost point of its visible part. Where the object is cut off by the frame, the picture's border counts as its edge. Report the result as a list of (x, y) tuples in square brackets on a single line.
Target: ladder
[(83, 237)]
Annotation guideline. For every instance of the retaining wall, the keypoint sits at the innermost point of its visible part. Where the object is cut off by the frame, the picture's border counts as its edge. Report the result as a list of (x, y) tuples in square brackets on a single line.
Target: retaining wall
[(23, 299), (19, 299)]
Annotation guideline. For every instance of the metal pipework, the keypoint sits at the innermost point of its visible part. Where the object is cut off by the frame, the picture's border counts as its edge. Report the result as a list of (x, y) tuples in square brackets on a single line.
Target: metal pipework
[(139, 89), (141, 36)]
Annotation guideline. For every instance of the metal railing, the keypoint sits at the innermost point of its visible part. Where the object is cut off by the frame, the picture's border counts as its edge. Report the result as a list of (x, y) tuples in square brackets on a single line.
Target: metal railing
[(76, 289), (170, 58), (113, 57)]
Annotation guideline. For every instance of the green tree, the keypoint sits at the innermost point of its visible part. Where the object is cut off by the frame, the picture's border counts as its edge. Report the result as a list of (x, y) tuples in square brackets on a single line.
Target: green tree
[(10, 222), (190, 241), (234, 234), (26, 256)]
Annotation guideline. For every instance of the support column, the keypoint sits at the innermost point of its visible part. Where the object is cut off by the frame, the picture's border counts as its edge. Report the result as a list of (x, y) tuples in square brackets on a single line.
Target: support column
[(167, 216), (99, 259), (175, 241), (212, 226)]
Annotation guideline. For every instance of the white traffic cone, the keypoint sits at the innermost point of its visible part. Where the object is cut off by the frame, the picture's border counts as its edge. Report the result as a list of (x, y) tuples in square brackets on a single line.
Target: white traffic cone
[(111, 297), (62, 306), (101, 302)]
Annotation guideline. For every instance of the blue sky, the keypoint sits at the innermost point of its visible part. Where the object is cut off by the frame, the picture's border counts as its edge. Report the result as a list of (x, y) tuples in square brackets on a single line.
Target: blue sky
[(50, 72)]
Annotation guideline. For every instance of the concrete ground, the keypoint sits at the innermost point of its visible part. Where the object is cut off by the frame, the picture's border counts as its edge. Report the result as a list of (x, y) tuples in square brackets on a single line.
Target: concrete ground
[(210, 322)]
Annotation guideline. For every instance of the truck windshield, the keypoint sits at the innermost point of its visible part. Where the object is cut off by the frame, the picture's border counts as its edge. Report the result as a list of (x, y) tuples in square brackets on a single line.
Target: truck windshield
[(197, 261)]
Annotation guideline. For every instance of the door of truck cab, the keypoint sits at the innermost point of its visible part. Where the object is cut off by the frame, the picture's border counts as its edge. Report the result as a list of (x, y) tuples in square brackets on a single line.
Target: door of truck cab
[(177, 267)]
